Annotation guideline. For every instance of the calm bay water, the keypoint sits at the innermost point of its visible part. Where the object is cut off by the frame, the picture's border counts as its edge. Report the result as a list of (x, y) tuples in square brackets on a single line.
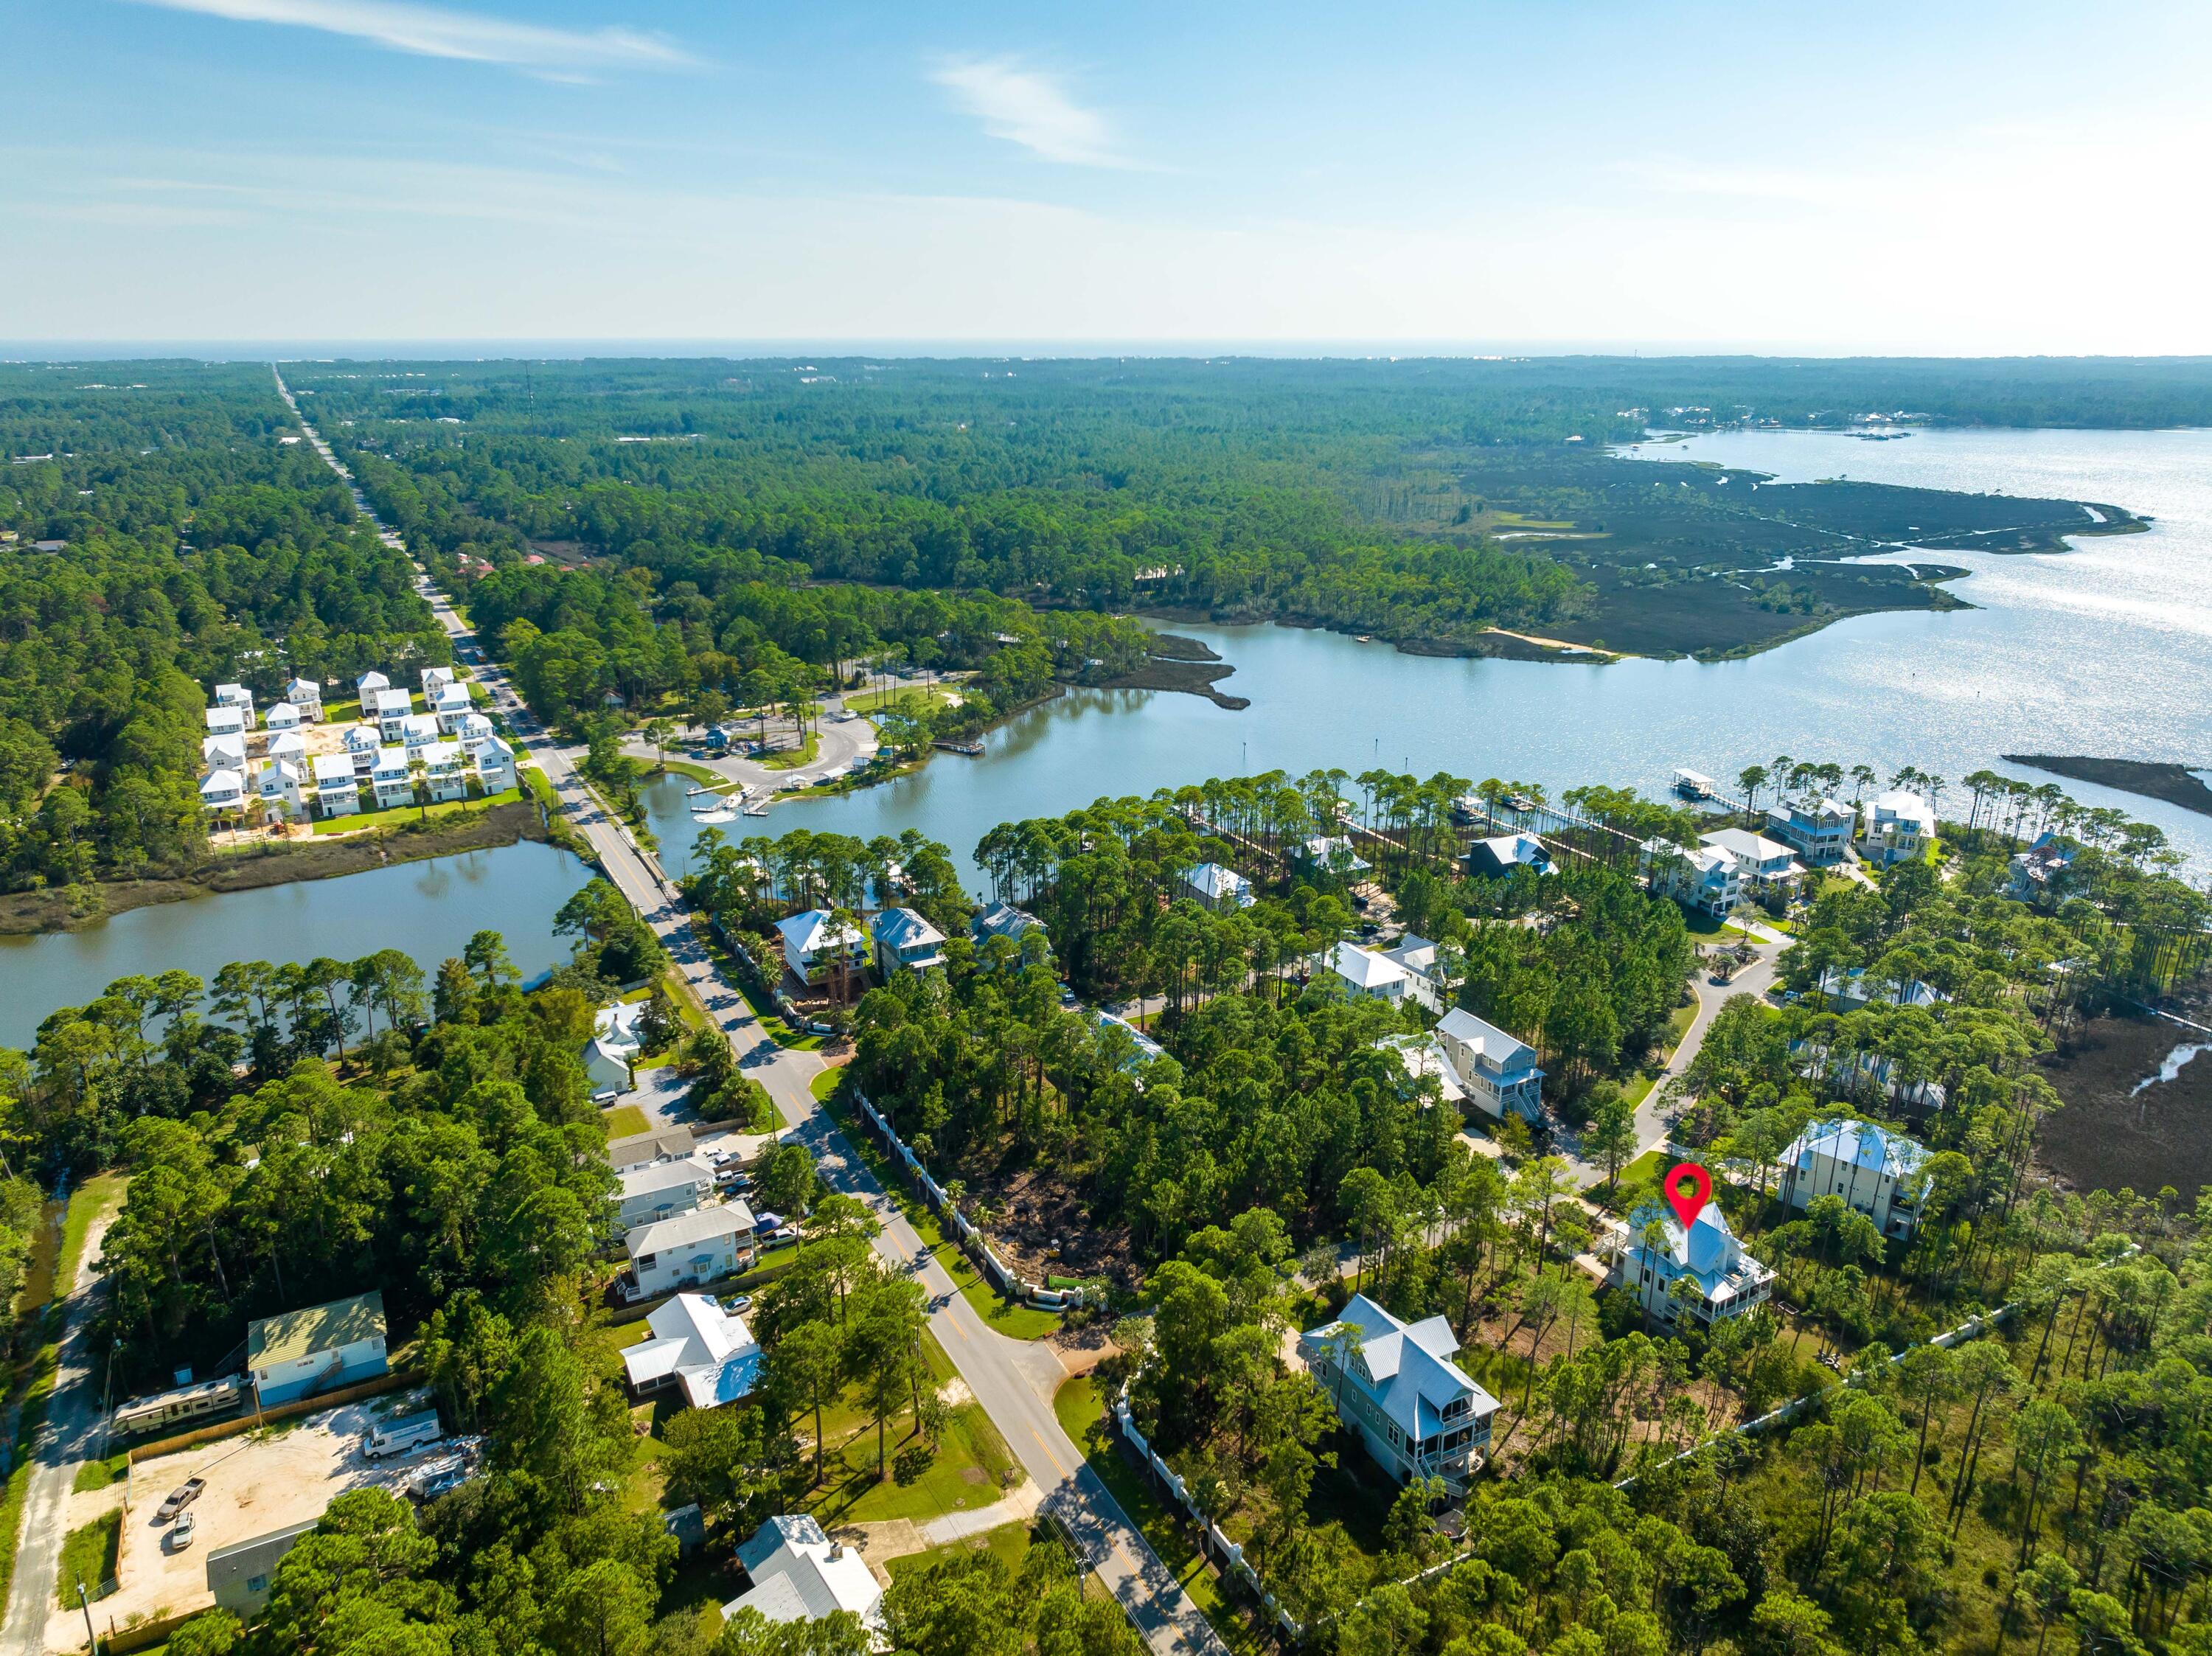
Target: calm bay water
[(2106, 649)]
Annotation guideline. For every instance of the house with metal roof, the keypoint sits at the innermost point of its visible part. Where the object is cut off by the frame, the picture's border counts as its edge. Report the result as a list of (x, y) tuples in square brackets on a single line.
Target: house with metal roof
[(1818, 829), (1396, 1386), (904, 939), (1899, 826), (1496, 1071), (698, 1349), (300, 1353), (1767, 863), (661, 1190), (799, 1574), (1874, 1169), (1367, 975), (810, 945), (1706, 880), (1217, 887), (1719, 1278), (389, 708), (305, 695), (689, 1249), (1505, 852)]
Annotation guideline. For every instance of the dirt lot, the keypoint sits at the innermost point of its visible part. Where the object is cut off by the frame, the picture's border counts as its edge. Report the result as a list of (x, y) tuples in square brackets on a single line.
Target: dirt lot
[(255, 1484), (2112, 1137), (1037, 1207)]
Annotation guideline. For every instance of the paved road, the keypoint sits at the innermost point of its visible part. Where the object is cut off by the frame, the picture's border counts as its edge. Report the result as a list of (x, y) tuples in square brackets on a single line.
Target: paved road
[(69, 1436), (1013, 1380)]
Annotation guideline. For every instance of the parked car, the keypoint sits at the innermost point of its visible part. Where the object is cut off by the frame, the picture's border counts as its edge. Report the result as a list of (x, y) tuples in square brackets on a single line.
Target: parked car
[(737, 1302), (784, 1233), (180, 1533), (179, 1498)]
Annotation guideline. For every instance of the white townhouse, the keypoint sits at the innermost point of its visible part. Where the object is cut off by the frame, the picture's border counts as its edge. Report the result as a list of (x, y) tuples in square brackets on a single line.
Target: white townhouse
[(1367, 975), (1217, 887), (1497, 1071), (337, 790), (661, 1190), (418, 731), (1818, 829), (494, 760), (1719, 1279), (473, 727), (799, 1574), (445, 772), (362, 743), (236, 695), (435, 679), (368, 685), (390, 778), (1765, 864), (224, 753), (388, 708), (1395, 1384), (278, 784), (288, 744), (282, 716), (449, 706), (698, 1349), (1900, 827), (905, 938), (223, 791), (1707, 880), (810, 945), (687, 1250), (306, 695), (1875, 1170), (226, 721)]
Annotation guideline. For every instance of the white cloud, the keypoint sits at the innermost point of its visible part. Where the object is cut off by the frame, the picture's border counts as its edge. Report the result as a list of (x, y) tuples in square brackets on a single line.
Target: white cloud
[(1029, 108), (436, 31)]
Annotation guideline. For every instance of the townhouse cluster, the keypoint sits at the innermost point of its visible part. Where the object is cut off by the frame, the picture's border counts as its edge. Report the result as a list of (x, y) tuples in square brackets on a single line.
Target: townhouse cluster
[(295, 765)]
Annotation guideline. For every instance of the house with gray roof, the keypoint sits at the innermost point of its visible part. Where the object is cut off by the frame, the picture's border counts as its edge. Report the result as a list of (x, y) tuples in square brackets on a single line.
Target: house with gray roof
[(1394, 1385), (1217, 887), (1719, 1279), (799, 1574), (1874, 1169), (1496, 1071), (904, 939)]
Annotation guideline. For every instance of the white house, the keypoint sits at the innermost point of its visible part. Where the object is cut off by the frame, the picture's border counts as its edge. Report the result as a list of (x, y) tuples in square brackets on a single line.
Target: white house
[(1495, 1070), (445, 770), (325, 1346), (799, 1574), (449, 706), (687, 1250), (494, 760), (1765, 863), (1820, 829), (614, 1046), (706, 1352), (369, 685), (1505, 852), (1217, 887), (389, 777), (1425, 977), (1333, 854), (282, 716), (288, 744), (810, 945), (1900, 827), (1719, 1279), (1708, 879), (435, 679), (363, 742), (1396, 1384), (236, 695), (306, 695), (1367, 975), (418, 731), (226, 721), (661, 1190), (278, 784), (337, 790), (1144, 1049), (1873, 1169), (904, 939), (388, 708), (223, 752), (473, 728), (224, 791)]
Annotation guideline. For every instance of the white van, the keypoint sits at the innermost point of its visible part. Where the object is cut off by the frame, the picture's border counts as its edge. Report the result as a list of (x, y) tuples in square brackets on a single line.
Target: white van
[(397, 1437)]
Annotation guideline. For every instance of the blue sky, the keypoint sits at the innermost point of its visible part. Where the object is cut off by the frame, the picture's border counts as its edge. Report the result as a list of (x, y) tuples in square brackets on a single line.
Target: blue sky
[(1945, 178)]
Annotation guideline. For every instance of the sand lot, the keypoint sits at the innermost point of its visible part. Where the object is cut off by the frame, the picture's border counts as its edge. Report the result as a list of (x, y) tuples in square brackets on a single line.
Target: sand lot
[(255, 1483)]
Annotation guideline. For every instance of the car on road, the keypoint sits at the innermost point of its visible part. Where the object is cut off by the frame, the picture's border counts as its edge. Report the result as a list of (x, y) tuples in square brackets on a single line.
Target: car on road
[(179, 1498), (180, 1533)]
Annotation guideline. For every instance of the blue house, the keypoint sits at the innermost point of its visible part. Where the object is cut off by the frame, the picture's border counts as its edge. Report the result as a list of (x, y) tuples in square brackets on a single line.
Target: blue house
[(1396, 1386)]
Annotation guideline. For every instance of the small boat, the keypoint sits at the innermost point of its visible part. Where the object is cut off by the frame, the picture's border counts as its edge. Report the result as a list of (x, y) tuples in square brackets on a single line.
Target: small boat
[(724, 815)]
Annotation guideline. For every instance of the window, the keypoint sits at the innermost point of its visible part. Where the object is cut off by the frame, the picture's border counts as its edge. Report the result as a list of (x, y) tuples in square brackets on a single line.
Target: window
[(644, 1261), (257, 1584)]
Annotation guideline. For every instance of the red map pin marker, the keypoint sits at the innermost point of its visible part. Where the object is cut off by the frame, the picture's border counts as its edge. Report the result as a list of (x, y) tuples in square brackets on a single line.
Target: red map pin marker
[(1688, 1188)]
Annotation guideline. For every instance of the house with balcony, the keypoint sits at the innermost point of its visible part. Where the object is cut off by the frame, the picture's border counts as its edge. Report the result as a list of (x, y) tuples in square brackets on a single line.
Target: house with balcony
[(434, 680), (473, 727), (493, 761), (419, 731), (1653, 1251), (1900, 827), (686, 1250), (1818, 829), (702, 1352), (1871, 1168), (227, 721), (362, 743), (238, 696), (904, 940), (223, 791), (368, 686), (1501, 855), (280, 785), (2037, 875), (282, 716), (1706, 881), (812, 946), (306, 695), (1395, 1386), (337, 790), (1762, 864), (662, 1190), (446, 771), (449, 706), (1213, 885), (1366, 974), (1496, 1071), (224, 753), (389, 708), (393, 783)]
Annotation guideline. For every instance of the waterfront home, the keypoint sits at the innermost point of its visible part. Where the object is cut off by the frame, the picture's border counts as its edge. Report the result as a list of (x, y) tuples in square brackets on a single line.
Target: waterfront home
[(1494, 1069), (661, 1190), (363, 742), (389, 708), (1818, 829), (1707, 880), (224, 752), (661, 1145), (449, 706), (683, 1252), (368, 685), (278, 784), (226, 721), (697, 1349), (904, 939), (1365, 975), (1332, 853), (1766, 865), (1003, 920), (1875, 1170), (2036, 874), (1505, 852), (1900, 827), (288, 744), (306, 695), (337, 789), (282, 716), (811, 945), (799, 1574), (1217, 887), (1847, 991), (1394, 1385), (390, 778), (223, 791), (445, 772), (494, 760), (300, 1353), (1653, 1251), (614, 1048)]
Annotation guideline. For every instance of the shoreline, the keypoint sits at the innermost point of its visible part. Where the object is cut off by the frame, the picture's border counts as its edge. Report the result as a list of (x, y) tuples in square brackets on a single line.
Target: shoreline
[(2164, 780), (36, 914)]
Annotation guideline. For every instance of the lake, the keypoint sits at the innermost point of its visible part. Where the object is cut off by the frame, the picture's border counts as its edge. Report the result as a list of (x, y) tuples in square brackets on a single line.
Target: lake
[(2105, 651)]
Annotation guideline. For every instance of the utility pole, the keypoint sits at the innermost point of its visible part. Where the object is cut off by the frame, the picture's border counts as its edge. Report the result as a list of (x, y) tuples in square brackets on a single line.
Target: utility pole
[(92, 1638)]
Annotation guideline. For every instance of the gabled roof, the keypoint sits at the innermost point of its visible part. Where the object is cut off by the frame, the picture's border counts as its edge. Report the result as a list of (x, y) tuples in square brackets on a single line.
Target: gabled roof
[(1900, 806), (903, 929), (1746, 847), (1410, 1369), (1004, 920), (282, 716), (389, 702), (359, 737), (222, 781), (1858, 1144), (1506, 851), (229, 748), (1215, 881), (333, 770), (287, 742), (710, 1351), (316, 1329), (1364, 969), (1491, 1045), (700, 1225), (793, 1529), (369, 682), (808, 1582), (809, 933), (1707, 1249), (654, 1176), (304, 690), (636, 1149)]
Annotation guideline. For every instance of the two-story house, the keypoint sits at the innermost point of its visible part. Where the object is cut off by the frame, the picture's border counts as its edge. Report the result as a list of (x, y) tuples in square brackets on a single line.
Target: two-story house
[(811, 945), (1900, 827), (337, 789), (391, 779), (279, 785), (492, 759), (282, 716), (449, 706), (417, 731), (445, 770), (1394, 1385), (1762, 864), (388, 708), (305, 695), (1818, 829), (366, 687), (686, 1250), (224, 752), (1706, 880), (362, 743), (1495, 1070), (227, 721), (1654, 1251), (434, 680), (661, 1190), (223, 791), (1217, 887), (1367, 974), (1875, 1170), (2037, 875), (1500, 856), (905, 939)]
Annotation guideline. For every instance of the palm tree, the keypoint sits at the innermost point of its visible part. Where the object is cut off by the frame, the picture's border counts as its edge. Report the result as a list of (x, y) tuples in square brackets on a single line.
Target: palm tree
[(418, 777)]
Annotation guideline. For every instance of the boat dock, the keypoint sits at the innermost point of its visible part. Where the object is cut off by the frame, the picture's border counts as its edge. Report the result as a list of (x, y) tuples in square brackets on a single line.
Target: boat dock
[(970, 750)]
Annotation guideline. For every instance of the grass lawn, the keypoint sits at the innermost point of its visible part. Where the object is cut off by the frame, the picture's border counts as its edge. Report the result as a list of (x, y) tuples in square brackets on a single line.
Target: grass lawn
[(1009, 1543), (624, 1120), (403, 816), (99, 1474), (89, 1555), (966, 1471), (1679, 1024), (702, 775), (1639, 1088), (1638, 1178), (825, 1083), (915, 698), (786, 759)]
